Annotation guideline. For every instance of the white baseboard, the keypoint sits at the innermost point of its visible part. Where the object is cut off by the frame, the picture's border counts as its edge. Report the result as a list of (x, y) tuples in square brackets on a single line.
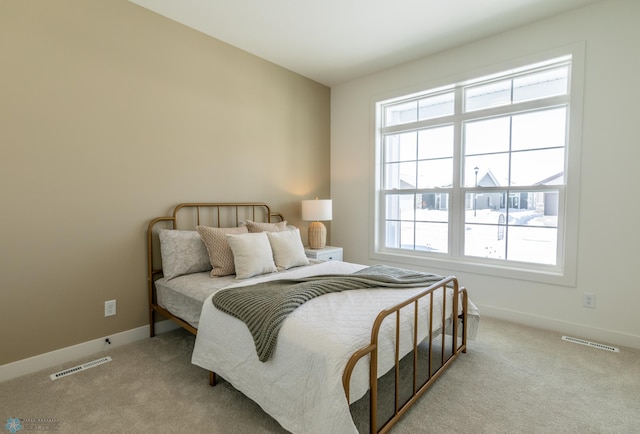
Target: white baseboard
[(68, 354), (582, 331), (74, 352)]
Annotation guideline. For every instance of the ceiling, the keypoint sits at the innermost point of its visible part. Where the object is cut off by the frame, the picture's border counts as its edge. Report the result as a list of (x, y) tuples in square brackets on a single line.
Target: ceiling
[(334, 41)]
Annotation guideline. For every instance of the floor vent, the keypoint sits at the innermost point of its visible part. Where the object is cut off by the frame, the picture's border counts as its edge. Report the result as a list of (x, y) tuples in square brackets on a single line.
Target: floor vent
[(79, 368), (591, 344)]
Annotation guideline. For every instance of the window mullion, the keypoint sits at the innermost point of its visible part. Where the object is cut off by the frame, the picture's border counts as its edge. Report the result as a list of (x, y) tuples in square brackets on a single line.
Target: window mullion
[(456, 210)]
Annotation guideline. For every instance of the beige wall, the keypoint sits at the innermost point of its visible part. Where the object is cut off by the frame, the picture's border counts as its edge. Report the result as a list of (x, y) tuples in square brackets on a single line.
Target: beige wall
[(109, 116), (608, 229)]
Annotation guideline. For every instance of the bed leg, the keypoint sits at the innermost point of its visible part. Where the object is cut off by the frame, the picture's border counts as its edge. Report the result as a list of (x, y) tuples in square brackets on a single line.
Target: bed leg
[(152, 324), (212, 378), (463, 321)]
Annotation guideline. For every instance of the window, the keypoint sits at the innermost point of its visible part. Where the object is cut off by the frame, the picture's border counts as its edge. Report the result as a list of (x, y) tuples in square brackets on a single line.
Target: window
[(476, 173)]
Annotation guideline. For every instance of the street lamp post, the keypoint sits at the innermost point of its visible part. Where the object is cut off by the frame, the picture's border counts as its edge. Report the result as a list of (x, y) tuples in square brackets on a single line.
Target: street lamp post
[(475, 195)]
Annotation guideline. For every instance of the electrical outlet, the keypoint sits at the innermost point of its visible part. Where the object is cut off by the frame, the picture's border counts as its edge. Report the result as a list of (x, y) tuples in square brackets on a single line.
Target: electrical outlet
[(589, 300), (109, 308)]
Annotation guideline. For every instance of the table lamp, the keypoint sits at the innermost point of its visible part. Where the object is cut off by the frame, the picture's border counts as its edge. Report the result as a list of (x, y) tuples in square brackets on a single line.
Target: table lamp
[(315, 211)]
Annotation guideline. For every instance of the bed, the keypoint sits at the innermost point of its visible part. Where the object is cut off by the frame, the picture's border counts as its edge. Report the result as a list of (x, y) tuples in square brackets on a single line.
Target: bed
[(375, 347)]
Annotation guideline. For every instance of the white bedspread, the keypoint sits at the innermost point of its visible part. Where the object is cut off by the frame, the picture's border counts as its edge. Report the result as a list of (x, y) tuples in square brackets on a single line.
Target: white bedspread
[(301, 385)]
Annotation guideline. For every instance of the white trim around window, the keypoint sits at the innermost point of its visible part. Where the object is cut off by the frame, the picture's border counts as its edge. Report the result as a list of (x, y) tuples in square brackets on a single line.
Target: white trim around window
[(444, 109)]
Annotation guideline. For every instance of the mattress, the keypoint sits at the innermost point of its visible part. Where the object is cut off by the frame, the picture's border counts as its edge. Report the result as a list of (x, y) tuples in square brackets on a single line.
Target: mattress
[(183, 296)]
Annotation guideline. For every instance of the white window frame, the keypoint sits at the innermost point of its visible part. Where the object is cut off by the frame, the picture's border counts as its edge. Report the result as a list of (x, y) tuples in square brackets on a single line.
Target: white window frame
[(564, 272)]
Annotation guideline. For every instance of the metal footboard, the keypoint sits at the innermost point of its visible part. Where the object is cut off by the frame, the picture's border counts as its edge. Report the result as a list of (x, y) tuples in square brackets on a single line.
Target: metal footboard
[(458, 344)]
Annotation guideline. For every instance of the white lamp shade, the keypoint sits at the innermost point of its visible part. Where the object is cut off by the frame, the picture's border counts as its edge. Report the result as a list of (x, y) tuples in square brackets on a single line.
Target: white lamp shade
[(316, 210)]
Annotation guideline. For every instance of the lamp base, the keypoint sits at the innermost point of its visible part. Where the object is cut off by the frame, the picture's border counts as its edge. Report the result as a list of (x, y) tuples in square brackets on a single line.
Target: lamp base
[(317, 235)]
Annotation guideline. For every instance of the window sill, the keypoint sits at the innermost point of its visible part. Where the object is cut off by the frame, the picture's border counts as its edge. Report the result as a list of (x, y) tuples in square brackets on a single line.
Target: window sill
[(480, 266)]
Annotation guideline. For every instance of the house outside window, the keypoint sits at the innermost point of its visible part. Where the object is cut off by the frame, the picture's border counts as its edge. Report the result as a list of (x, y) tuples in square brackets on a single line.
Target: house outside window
[(476, 173)]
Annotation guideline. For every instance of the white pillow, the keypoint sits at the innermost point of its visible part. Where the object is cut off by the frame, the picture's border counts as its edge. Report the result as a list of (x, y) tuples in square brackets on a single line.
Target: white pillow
[(287, 248), (183, 252), (251, 254)]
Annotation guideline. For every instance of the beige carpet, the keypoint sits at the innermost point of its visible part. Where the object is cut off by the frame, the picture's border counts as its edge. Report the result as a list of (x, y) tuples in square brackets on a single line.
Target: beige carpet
[(513, 379)]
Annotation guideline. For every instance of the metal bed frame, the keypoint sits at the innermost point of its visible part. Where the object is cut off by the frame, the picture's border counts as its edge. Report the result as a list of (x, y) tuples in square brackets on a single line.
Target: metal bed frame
[(231, 214)]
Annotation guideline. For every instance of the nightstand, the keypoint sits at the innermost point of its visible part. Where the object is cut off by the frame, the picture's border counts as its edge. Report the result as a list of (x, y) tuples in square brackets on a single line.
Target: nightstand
[(328, 253)]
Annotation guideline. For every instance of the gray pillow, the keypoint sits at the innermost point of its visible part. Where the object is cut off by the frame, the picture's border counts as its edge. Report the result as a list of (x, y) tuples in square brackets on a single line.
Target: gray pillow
[(183, 252)]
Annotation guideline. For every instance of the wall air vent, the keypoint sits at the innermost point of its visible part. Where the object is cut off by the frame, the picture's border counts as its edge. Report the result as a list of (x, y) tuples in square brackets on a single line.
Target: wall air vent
[(79, 368)]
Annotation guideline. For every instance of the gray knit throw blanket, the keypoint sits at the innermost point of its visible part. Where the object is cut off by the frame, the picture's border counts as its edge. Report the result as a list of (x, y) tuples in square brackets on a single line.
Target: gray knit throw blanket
[(264, 306)]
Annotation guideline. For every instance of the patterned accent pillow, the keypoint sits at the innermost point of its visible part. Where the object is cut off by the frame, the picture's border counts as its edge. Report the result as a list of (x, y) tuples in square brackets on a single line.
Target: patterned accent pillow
[(220, 253), (252, 254), (266, 227), (183, 252)]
